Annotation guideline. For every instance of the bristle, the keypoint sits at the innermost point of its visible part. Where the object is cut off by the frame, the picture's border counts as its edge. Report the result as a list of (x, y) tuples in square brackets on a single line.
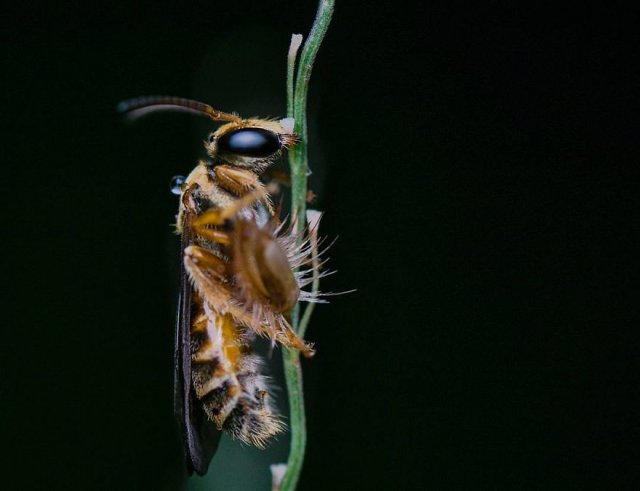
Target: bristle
[(254, 421), (222, 401), (254, 315), (227, 378)]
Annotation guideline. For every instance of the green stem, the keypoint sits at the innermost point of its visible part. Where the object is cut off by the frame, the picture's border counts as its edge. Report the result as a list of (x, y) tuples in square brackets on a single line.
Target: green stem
[(298, 158), (298, 162), (297, 420)]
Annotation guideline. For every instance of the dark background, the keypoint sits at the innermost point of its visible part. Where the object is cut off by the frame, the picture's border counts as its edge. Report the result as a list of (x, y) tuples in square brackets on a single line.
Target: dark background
[(476, 164)]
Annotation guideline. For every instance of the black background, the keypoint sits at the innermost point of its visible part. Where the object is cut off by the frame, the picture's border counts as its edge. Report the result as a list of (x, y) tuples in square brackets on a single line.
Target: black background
[(476, 164)]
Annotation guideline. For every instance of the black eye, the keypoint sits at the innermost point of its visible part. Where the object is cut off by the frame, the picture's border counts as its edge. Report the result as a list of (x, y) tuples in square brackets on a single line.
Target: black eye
[(250, 142)]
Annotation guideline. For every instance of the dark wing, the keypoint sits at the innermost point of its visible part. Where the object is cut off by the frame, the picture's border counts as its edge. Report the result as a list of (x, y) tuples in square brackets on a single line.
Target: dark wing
[(201, 436)]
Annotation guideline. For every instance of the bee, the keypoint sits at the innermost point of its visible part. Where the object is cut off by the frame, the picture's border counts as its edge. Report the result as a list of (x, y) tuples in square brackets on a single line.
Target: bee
[(239, 279)]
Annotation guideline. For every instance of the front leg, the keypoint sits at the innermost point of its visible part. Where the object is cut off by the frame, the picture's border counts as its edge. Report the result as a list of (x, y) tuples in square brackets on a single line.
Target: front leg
[(241, 182)]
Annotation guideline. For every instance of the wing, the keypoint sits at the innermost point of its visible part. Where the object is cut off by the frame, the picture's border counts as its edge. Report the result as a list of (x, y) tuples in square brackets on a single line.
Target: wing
[(201, 436)]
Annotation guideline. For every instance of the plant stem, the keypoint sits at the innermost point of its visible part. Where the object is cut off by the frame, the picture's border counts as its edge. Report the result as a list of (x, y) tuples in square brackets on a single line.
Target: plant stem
[(298, 158), (297, 420), (298, 162)]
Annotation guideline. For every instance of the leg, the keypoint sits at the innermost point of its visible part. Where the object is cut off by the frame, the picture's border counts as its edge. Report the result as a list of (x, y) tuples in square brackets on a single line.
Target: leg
[(218, 216), (240, 182), (205, 271), (236, 180), (201, 223)]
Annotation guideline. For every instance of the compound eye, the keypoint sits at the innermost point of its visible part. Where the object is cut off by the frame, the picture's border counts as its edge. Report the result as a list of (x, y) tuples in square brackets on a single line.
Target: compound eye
[(250, 142)]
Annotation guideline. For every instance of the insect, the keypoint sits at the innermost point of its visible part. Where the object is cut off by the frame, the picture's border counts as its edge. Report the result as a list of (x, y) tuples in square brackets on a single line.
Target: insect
[(239, 279)]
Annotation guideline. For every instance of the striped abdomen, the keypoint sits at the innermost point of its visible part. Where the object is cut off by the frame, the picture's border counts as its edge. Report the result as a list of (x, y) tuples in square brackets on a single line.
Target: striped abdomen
[(227, 380)]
